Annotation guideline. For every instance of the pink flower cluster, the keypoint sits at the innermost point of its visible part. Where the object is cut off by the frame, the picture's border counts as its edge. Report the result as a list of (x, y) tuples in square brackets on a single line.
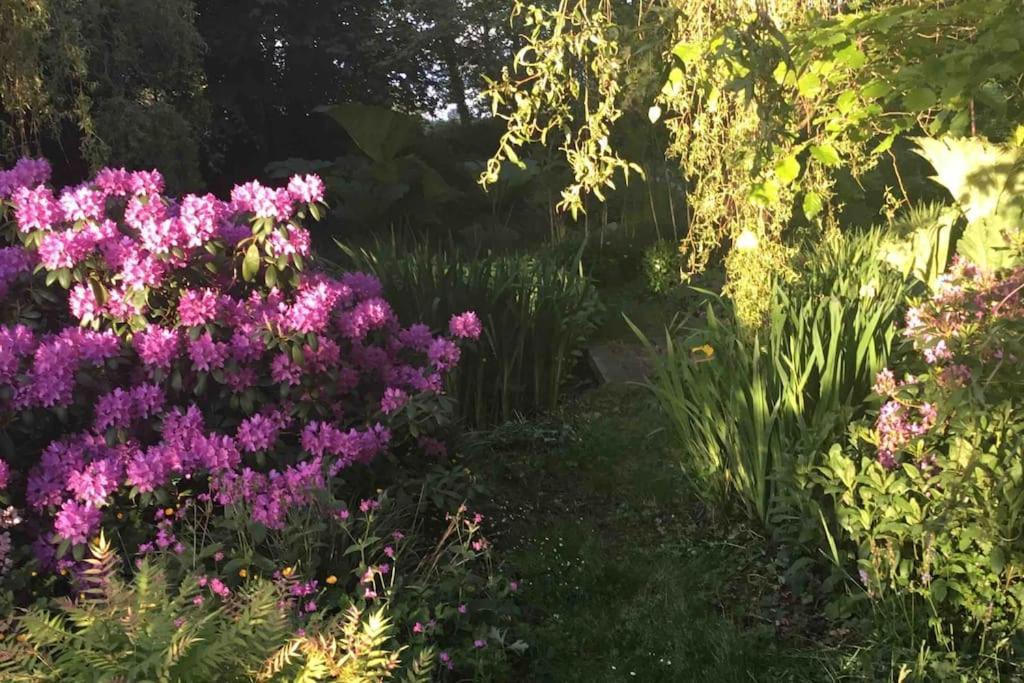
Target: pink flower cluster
[(173, 341), (965, 330)]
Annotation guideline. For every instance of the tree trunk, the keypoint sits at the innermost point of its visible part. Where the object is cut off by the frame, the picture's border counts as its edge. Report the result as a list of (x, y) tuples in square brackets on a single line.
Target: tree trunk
[(456, 86)]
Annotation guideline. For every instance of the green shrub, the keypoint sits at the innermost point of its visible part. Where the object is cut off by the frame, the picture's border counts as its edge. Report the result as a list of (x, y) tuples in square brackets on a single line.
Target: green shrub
[(928, 500), (662, 267), (537, 312), (754, 413)]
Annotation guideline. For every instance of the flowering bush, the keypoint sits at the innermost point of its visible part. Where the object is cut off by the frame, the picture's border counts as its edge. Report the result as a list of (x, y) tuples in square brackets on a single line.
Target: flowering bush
[(155, 349), (934, 508)]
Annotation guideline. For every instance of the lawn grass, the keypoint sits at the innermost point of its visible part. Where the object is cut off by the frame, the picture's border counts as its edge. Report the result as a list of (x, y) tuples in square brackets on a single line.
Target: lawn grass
[(624, 575)]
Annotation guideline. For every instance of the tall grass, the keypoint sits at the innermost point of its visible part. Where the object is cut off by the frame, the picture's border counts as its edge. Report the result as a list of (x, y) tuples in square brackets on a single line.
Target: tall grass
[(537, 312), (753, 411)]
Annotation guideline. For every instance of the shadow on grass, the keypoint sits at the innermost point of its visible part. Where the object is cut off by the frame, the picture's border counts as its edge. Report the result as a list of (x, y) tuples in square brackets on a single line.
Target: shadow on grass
[(623, 575)]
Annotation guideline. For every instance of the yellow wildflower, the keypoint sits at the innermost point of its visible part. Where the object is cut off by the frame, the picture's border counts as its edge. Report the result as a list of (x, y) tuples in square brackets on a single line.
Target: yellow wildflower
[(706, 349)]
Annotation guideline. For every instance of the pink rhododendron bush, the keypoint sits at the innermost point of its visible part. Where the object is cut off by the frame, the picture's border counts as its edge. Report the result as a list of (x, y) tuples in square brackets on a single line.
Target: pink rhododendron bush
[(160, 352), (931, 500)]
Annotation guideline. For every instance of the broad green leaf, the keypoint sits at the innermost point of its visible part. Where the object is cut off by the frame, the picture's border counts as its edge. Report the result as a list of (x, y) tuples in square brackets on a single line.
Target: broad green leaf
[(920, 99), (787, 170), (687, 52), (812, 205), (851, 56), (875, 90), (381, 133), (997, 560), (251, 263), (826, 154), (809, 85), (845, 102)]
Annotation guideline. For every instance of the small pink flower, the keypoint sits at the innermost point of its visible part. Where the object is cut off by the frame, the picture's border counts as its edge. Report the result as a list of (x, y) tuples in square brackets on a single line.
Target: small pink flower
[(465, 326)]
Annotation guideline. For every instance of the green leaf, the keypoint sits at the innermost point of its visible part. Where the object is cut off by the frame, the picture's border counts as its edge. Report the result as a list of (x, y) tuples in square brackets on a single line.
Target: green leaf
[(381, 133), (812, 205), (826, 154), (845, 102), (920, 99), (875, 89), (251, 263), (851, 56), (765, 193), (885, 144), (997, 560), (687, 52), (787, 170), (809, 85)]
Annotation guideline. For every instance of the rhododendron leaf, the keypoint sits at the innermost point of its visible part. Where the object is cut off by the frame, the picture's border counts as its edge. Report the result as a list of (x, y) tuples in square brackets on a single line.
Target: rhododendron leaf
[(251, 263), (257, 532), (270, 276), (99, 291), (64, 278), (314, 211)]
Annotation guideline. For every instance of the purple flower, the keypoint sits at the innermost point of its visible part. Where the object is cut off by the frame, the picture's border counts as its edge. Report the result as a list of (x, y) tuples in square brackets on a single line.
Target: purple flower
[(465, 326), (197, 307), (394, 399), (158, 347), (308, 189), (443, 353), (76, 522), (207, 355), (36, 209)]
